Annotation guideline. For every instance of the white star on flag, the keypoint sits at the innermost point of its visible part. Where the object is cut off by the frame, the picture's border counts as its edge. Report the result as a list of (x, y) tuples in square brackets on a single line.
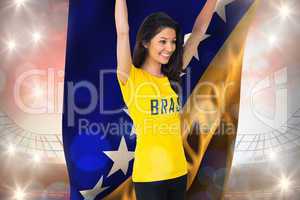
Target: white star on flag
[(126, 111), (182, 74), (186, 37), (220, 8), (121, 158), (92, 193)]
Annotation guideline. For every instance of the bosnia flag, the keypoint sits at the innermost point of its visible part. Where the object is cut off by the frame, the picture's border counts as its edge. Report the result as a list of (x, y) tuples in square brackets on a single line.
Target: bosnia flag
[(98, 135)]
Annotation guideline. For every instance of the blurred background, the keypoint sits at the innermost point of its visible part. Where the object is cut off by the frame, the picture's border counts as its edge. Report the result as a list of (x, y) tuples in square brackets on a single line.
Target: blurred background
[(32, 55)]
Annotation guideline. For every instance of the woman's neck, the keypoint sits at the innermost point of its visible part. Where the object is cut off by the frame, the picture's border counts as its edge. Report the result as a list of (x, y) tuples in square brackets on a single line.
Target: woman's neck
[(152, 67)]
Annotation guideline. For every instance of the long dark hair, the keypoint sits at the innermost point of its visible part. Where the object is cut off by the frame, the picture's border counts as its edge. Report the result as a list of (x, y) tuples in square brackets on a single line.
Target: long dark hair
[(151, 26)]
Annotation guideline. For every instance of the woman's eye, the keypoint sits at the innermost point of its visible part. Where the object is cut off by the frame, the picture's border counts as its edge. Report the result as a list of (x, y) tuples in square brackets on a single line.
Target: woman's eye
[(174, 41), (162, 42)]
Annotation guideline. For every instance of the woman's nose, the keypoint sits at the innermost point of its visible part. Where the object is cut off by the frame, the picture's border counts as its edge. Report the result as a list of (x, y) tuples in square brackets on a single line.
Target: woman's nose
[(170, 47)]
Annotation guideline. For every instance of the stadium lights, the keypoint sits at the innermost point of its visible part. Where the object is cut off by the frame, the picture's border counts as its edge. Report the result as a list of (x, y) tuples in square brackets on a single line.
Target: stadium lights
[(36, 37), (11, 45), (284, 184), (19, 3), (11, 149), (19, 194), (272, 155), (36, 158), (284, 11), (272, 39)]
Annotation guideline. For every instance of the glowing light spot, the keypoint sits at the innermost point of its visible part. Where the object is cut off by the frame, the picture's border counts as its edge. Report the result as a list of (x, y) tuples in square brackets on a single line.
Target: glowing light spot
[(284, 184), (11, 149), (36, 158), (19, 3), (36, 37), (272, 39), (11, 45), (19, 194), (272, 155), (285, 11)]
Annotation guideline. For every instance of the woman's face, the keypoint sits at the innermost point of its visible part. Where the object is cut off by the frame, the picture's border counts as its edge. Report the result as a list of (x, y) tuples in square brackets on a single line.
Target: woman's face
[(162, 46)]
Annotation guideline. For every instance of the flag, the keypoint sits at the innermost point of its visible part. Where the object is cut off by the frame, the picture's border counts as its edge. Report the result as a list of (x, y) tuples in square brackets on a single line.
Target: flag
[(98, 136)]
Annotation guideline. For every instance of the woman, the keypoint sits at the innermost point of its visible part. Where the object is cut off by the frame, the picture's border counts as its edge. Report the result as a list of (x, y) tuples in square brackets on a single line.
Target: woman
[(149, 85)]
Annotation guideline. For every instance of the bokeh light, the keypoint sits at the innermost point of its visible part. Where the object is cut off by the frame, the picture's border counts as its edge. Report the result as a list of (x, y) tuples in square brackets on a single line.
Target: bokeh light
[(19, 194), (11, 45)]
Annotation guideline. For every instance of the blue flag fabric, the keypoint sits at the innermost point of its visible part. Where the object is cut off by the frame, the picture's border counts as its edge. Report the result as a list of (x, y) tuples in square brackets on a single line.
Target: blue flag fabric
[(98, 152)]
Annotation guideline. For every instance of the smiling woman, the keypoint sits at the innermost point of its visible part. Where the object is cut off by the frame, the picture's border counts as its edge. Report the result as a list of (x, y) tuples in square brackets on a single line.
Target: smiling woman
[(158, 59), (161, 47)]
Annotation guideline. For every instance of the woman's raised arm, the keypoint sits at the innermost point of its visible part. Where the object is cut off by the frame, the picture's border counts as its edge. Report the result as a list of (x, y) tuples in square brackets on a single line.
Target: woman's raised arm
[(124, 59), (199, 29)]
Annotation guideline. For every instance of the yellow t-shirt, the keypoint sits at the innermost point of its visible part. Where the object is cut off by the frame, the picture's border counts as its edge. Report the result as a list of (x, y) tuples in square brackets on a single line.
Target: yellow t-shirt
[(154, 108)]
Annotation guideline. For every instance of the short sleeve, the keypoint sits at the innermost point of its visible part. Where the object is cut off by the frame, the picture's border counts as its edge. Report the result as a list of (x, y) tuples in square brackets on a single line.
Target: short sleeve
[(127, 89)]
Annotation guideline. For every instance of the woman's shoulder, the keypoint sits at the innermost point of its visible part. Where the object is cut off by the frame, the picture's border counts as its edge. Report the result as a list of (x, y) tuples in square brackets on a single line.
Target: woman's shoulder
[(136, 67)]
